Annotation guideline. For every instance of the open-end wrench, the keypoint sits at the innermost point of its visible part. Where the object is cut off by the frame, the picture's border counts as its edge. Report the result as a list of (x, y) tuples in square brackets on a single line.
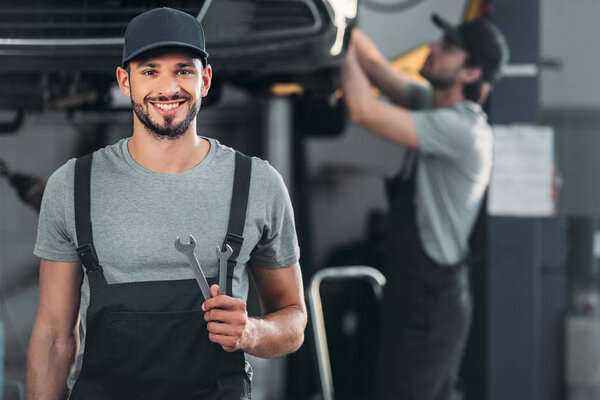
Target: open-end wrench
[(223, 257), (188, 250)]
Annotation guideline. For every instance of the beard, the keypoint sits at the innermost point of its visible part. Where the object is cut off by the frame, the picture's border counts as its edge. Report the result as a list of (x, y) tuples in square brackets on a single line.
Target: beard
[(439, 81), (168, 130)]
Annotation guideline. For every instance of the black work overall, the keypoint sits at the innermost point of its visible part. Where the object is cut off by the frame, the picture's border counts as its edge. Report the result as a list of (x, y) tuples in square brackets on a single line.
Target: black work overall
[(148, 340), (426, 310)]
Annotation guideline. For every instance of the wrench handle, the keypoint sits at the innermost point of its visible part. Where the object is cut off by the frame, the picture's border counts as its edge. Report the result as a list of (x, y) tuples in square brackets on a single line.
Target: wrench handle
[(200, 278), (223, 263), (222, 275)]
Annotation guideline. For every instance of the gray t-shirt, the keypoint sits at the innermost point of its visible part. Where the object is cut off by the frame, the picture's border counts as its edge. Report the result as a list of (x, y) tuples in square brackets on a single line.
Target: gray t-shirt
[(455, 164), (137, 214)]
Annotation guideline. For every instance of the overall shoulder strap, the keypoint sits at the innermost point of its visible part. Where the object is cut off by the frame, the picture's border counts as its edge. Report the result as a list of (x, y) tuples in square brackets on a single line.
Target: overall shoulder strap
[(478, 238), (237, 213), (83, 220)]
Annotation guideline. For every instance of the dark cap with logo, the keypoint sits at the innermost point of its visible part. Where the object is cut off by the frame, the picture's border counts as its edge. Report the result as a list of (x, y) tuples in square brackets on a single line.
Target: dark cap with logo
[(163, 27), (482, 40)]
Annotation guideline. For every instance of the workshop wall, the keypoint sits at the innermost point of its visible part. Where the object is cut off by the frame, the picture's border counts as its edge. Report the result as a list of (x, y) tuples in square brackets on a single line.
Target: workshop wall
[(569, 35)]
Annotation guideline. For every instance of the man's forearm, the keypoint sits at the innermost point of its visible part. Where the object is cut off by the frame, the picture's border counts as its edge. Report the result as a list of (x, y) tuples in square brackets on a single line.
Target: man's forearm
[(388, 121), (367, 53), (356, 87), (380, 73), (48, 365), (277, 334)]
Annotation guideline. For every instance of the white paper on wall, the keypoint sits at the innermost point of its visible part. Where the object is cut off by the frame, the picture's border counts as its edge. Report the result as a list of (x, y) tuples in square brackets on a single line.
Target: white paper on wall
[(523, 174)]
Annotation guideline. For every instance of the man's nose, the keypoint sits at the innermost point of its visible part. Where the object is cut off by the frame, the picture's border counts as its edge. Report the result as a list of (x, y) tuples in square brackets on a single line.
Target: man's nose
[(168, 85)]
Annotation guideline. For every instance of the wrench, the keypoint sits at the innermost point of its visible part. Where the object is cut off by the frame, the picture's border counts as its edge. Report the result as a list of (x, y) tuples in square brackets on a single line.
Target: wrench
[(188, 250), (223, 257)]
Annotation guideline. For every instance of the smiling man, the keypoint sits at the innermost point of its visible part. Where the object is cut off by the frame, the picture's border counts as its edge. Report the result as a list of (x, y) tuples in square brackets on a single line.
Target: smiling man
[(434, 200), (190, 70), (121, 315)]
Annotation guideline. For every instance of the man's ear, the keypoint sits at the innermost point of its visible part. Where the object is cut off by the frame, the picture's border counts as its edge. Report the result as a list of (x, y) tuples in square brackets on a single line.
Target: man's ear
[(123, 81), (206, 79), (472, 74)]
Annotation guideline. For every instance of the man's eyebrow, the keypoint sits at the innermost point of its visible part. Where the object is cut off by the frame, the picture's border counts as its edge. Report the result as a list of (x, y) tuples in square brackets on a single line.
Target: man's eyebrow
[(186, 65), (148, 64)]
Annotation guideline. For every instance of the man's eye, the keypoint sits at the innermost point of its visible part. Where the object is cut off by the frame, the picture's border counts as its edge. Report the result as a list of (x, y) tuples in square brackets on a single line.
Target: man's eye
[(149, 72), (185, 72)]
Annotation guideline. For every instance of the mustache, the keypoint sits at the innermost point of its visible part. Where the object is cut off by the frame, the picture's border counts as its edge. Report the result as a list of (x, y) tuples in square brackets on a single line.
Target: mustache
[(165, 98)]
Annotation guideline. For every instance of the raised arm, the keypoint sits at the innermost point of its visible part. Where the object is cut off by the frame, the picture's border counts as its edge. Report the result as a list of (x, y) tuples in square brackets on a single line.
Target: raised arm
[(279, 332), (390, 81), (53, 341), (389, 121)]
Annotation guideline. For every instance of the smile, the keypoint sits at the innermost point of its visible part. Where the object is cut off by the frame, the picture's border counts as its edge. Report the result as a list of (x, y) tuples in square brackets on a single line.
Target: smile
[(168, 108)]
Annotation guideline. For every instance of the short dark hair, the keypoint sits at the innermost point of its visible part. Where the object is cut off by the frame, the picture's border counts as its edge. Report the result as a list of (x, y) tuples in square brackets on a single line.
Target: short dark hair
[(473, 91)]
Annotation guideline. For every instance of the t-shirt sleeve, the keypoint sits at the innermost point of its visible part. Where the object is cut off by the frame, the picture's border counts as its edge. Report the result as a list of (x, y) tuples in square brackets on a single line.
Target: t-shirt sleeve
[(418, 96), (278, 245), (54, 240), (442, 132)]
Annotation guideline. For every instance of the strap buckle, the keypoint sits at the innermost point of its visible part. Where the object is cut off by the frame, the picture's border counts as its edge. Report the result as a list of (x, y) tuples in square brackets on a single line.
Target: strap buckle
[(88, 257), (234, 240)]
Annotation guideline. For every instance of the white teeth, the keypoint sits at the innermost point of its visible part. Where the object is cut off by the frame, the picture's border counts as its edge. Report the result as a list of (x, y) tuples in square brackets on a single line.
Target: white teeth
[(167, 107)]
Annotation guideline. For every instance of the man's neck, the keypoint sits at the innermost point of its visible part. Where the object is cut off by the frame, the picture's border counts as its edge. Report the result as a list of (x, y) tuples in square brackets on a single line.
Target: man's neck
[(447, 97), (167, 156)]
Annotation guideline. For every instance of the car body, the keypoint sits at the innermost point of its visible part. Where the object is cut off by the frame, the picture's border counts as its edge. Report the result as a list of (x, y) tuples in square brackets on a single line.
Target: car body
[(64, 55)]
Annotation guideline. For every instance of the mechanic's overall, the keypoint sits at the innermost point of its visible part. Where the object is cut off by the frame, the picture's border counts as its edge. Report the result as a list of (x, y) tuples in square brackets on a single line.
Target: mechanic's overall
[(434, 200), (121, 314)]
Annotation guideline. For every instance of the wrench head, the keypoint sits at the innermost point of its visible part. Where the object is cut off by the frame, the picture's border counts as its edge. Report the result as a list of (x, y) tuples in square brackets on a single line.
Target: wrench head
[(228, 251), (185, 247)]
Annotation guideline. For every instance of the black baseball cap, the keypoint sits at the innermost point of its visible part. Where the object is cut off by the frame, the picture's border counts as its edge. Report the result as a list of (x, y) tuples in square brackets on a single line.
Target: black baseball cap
[(482, 40), (162, 27)]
